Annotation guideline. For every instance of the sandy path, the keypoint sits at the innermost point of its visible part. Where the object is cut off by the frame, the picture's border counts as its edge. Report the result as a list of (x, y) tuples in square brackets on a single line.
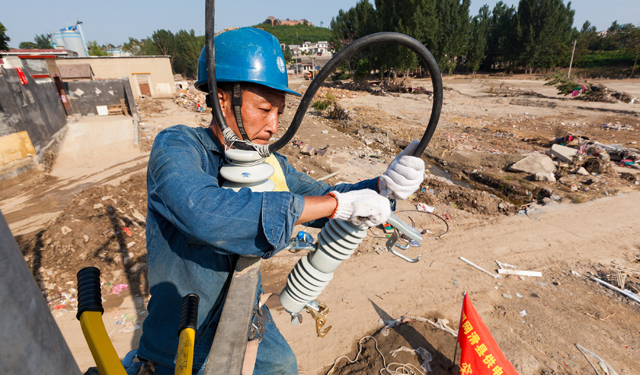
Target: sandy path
[(598, 232), (94, 150)]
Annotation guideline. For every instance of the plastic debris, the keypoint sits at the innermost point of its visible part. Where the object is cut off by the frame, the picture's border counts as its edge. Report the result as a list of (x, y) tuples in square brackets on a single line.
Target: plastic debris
[(520, 273), (480, 268), (119, 288), (523, 313), (424, 208)]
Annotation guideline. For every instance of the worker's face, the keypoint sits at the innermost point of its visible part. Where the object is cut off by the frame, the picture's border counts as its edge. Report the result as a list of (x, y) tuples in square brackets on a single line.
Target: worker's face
[(261, 110)]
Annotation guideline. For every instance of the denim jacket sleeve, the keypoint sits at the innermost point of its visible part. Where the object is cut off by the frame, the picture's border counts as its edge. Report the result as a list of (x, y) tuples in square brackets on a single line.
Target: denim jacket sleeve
[(186, 192), (303, 184)]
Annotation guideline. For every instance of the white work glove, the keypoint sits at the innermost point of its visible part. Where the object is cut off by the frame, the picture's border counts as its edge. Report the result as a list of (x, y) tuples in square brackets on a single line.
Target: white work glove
[(404, 175), (363, 208)]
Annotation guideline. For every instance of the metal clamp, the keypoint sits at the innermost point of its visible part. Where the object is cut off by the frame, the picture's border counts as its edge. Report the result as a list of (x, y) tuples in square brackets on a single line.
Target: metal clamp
[(258, 323), (393, 241), (319, 312)]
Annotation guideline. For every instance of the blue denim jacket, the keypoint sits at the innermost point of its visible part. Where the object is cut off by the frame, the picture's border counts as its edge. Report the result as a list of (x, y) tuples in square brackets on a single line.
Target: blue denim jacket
[(196, 231)]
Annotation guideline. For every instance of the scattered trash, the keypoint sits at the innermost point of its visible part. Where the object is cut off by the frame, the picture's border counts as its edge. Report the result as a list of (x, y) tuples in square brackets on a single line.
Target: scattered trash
[(575, 273), (127, 231), (480, 268), (327, 176), (440, 323), (520, 273), (523, 313), (325, 132), (422, 352), (117, 289), (608, 370), (518, 295), (624, 292), (308, 150), (503, 265), (97, 205), (424, 208), (507, 295)]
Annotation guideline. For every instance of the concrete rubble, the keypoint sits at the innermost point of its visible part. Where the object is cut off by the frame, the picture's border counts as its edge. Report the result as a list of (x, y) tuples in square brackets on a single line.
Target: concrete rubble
[(533, 164), (563, 153)]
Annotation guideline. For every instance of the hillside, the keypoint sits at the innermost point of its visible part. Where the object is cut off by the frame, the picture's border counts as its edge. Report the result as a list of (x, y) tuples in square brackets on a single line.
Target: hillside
[(297, 34)]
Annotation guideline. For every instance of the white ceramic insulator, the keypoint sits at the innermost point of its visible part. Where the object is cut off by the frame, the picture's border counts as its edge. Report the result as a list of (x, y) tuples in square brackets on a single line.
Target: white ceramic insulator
[(247, 170), (336, 242)]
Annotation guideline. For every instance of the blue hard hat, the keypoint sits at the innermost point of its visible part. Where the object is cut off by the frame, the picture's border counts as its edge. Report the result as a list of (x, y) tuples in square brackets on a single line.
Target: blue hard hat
[(246, 55)]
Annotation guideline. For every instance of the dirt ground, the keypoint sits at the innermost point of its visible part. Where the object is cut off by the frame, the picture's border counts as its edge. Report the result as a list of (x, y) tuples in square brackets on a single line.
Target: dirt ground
[(91, 208)]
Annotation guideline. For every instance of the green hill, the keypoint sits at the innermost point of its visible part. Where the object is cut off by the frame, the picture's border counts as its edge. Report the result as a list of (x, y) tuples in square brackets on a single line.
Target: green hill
[(297, 34)]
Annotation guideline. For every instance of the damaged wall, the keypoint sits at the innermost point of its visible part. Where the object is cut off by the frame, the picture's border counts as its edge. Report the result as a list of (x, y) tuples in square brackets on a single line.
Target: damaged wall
[(84, 96), (148, 75), (34, 112)]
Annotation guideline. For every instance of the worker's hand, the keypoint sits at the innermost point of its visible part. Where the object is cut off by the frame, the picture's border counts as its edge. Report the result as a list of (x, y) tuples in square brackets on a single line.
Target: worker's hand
[(363, 208), (404, 175)]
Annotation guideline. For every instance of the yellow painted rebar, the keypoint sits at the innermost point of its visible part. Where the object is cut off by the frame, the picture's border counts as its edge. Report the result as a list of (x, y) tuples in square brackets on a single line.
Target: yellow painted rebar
[(100, 345), (184, 359)]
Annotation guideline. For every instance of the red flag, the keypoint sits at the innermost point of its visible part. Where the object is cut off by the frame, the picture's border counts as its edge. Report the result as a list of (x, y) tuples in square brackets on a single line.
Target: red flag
[(479, 352)]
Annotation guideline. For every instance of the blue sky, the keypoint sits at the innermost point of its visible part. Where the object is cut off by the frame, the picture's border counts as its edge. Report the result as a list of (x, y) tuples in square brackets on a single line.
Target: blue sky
[(115, 20)]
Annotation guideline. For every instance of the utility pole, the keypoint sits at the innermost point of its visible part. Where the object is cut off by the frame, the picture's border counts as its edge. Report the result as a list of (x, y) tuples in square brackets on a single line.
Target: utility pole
[(572, 52)]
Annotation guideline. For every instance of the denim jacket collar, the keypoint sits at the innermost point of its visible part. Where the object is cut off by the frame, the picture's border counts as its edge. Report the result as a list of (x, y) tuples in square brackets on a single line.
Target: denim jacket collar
[(209, 141)]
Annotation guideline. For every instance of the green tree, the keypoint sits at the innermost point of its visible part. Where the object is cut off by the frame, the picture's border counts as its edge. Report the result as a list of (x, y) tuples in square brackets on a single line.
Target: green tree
[(501, 37), (41, 41), (452, 33), (477, 46), (187, 51), (287, 54), (164, 42), (4, 39), (544, 32), (27, 45), (95, 49), (133, 46), (355, 23), (630, 43)]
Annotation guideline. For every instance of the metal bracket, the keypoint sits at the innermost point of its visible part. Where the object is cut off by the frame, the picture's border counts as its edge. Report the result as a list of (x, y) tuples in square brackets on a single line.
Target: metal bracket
[(392, 241), (319, 312)]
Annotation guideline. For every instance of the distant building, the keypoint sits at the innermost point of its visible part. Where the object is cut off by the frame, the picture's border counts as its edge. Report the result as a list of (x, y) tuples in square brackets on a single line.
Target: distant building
[(37, 62), (150, 76), (276, 22), (117, 52)]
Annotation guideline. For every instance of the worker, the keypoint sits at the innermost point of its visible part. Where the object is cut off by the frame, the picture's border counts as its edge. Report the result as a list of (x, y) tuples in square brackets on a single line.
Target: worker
[(196, 230)]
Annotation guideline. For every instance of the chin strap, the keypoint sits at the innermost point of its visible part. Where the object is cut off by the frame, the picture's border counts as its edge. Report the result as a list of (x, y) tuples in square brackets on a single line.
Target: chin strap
[(236, 102)]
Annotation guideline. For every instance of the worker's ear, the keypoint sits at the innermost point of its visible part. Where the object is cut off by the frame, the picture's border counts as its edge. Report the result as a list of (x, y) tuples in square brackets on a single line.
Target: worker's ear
[(224, 100)]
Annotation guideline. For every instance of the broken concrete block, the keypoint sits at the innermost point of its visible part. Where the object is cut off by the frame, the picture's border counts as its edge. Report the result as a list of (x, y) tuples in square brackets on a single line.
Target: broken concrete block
[(322, 151), (563, 153), (582, 172), (308, 150), (534, 164), (544, 177)]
